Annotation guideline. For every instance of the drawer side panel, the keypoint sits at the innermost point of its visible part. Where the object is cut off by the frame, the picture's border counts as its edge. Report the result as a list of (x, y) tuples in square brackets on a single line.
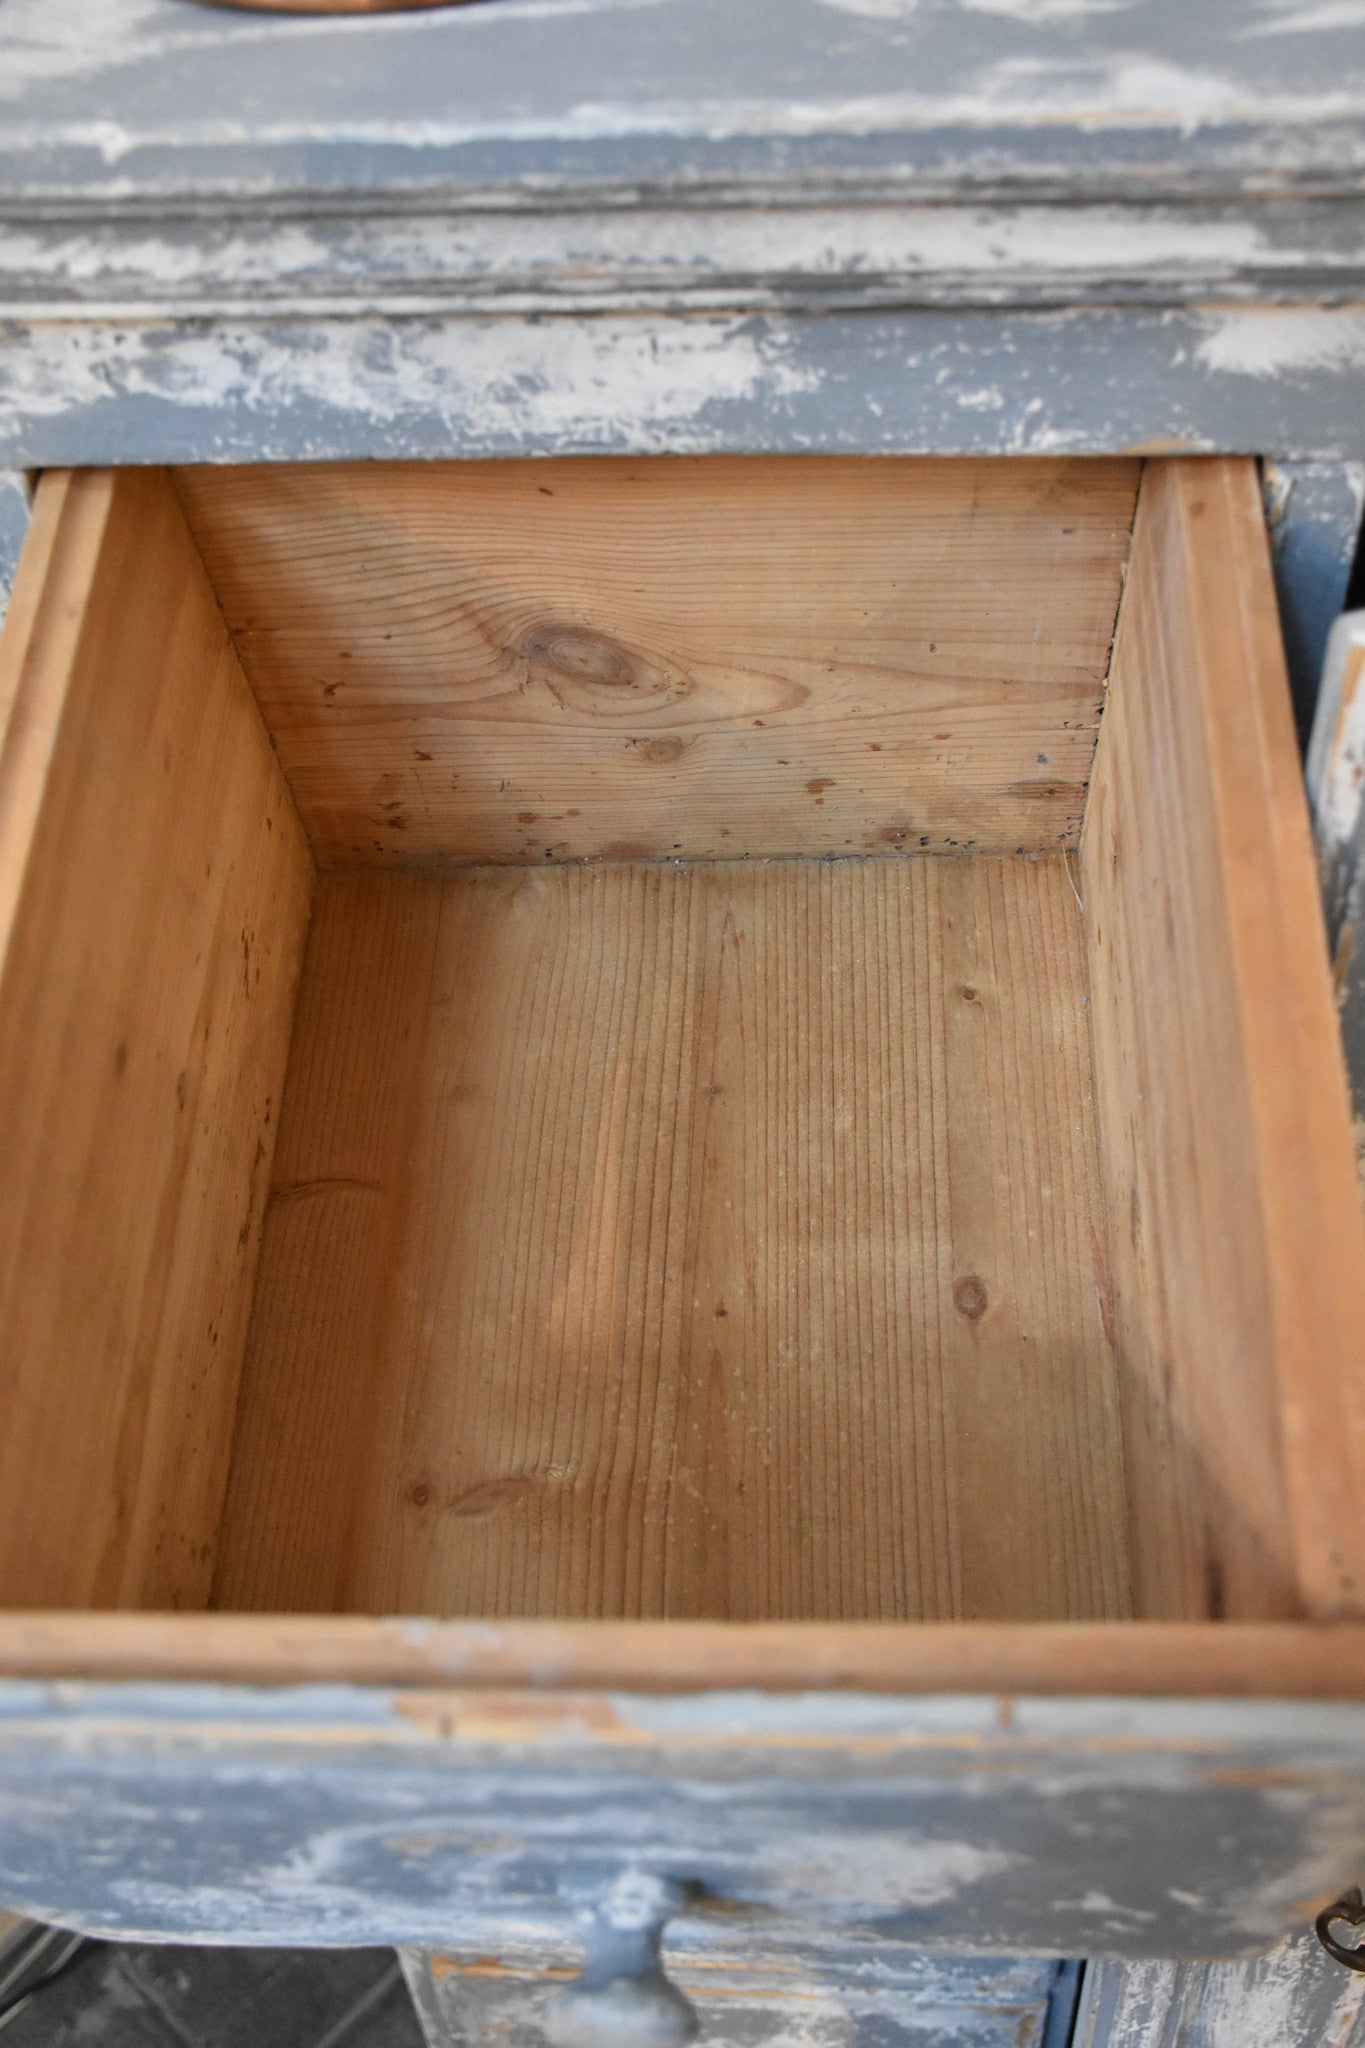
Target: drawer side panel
[(154, 891)]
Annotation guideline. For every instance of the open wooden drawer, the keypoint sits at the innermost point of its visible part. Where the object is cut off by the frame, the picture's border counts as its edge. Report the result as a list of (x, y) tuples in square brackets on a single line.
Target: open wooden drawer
[(685, 1056)]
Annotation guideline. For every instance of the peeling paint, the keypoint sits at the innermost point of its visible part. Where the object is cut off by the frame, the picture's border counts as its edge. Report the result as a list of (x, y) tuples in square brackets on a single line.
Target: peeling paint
[(1292, 1998), (13, 527), (130, 95), (1315, 18), (1079, 1826), (1278, 342), (738, 256), (897, 383)]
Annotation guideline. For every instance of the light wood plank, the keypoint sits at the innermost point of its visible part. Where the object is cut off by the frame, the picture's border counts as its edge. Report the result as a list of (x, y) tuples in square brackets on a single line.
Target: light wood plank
[(527, 660), (1238, 1259), (709, 1241), (531, 1659), (154, 888)]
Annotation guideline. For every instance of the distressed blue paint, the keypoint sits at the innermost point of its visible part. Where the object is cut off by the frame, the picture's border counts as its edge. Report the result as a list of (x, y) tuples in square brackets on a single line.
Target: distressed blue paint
[(752, 1991), (13, 527), (336, 1814), (249, 171), (1313, 510), (108, 95), (949, 1725), (1079, 381), (1295, 1997)]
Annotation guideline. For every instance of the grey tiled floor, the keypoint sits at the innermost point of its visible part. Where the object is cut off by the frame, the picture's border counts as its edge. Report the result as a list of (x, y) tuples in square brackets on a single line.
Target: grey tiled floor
[(127, 1997)]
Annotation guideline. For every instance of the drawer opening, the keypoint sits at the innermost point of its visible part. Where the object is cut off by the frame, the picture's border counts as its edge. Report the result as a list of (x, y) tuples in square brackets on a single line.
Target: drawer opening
[(681, 1039)]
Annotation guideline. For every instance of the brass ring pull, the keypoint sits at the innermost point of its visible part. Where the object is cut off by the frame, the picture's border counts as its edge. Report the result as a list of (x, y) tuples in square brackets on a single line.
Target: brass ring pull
[(1350, 1910)]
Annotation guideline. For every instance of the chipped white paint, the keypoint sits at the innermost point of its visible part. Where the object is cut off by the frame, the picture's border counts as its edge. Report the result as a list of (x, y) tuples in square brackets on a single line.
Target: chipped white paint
[(1294, 1997), (13, 527), (751, 1990), (262, 237), (906, 382), (1139, 92), (596, 380), (1317, 17), (1280, 341), (637, 1899), (739, 256), (106, 94), (1267, 2019), (74, 39), (348, 1814)]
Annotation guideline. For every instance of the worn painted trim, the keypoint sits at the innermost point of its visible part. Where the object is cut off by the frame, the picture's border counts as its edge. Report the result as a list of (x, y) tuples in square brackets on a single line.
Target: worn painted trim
[(14, 515), (750, 1992), (414, 256), (324, 1814), (118, 97), (1295, 1997), (1282, 381)]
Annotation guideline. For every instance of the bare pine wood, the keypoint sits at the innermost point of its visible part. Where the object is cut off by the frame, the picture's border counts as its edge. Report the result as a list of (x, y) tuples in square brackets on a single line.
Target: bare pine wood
[(1238, 1260), (525, 1659), (154, 888), (529, 660), (685, 1242)]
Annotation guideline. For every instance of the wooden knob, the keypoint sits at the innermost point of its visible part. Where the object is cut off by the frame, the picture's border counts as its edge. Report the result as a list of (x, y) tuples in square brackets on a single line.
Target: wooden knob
[(644, 2011), (623, 1999)]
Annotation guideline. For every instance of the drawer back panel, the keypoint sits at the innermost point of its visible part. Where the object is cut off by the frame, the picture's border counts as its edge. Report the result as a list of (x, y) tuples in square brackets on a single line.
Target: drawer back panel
[(521, 661)]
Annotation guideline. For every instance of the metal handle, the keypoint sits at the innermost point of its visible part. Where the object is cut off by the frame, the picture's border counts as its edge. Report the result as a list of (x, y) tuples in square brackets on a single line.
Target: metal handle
[(623, 1999), (1349, 1909)]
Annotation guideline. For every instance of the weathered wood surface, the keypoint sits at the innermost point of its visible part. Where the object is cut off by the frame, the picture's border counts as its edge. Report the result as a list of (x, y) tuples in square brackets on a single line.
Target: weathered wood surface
[(1279, 381), (749, 1994), (1141, 101), (299, 256), (637, 660), (154, 891), (1294, 1997), (626, 1247), (1238, 1257), (1059, 1660), (303, 275), (14, 518), (460, 1821)]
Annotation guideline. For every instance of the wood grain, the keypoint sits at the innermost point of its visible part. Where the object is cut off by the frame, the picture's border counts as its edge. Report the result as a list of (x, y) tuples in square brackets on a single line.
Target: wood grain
[(1238, 1259), (524, 1659), (709, 1241), (154, 888), (523, 661)]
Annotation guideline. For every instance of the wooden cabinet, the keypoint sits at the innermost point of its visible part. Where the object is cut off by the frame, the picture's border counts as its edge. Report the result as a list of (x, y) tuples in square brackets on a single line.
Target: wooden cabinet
[(717, 1076)]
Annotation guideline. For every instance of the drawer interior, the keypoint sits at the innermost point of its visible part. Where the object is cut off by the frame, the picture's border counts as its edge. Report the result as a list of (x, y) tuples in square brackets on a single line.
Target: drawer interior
[(719, 1039)]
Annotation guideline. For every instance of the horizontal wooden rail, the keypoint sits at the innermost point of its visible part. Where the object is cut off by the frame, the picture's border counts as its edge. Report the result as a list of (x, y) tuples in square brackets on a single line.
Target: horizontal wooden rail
[(1265, 1660)]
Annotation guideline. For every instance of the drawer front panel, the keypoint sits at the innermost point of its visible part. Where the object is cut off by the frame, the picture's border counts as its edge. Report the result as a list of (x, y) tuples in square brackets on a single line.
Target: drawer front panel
[(338, 1815)]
